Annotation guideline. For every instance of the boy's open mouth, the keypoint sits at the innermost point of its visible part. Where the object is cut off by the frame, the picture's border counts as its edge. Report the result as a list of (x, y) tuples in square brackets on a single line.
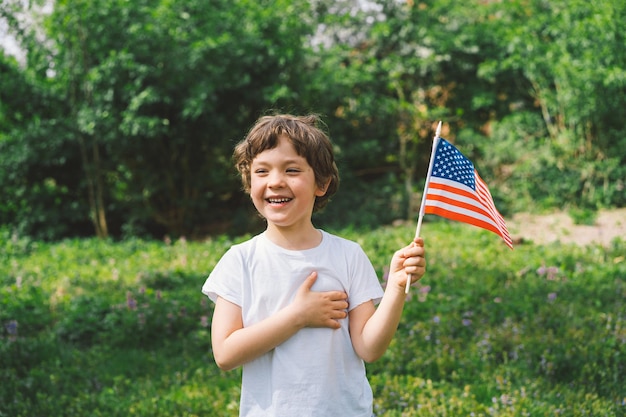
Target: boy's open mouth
[(278, 200)]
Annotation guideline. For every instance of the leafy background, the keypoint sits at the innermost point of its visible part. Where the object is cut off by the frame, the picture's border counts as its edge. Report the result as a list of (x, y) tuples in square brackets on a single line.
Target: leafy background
[(119, 118)]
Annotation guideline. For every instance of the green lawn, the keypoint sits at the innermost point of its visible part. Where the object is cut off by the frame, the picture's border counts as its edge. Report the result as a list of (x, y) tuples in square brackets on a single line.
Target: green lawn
[(101, 328)]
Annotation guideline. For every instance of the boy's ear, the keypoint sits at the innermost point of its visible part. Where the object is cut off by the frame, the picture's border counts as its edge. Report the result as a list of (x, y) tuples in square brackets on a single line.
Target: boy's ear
[(322, 190)]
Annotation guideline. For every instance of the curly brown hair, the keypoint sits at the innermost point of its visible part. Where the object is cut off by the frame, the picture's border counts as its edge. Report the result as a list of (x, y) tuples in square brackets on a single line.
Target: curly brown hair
[(309, 140)]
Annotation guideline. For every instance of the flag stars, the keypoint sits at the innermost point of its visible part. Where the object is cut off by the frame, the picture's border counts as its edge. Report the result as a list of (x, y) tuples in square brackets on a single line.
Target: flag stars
[(451, 164)]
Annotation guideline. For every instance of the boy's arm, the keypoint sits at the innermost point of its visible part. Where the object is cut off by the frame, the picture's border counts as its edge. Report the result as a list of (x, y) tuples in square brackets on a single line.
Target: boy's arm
[(234, 345), (371, 328)]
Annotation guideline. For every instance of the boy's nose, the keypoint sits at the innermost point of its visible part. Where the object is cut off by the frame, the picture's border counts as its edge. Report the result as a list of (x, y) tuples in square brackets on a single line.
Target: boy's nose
[(276, 180)]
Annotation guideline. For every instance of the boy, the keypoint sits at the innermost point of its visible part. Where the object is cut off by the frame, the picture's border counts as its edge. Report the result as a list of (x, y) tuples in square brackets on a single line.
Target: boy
[(295, 305)]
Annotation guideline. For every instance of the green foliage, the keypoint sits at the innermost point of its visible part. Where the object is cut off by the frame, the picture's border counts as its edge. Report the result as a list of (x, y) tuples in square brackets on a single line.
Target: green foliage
[(382, 207), (561, 57), (95, 327), (583, 216), (123, 121), (145, 100), (35, 172)]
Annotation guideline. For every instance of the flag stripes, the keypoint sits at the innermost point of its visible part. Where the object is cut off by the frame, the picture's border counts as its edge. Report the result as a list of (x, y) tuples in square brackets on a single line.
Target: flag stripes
[(463, 206), (456, 191)]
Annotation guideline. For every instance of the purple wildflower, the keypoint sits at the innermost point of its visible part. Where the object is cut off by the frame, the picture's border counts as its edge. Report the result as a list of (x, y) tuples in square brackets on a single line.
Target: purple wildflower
[(423, 293), (11, 327), (131, 303), (553, 272)]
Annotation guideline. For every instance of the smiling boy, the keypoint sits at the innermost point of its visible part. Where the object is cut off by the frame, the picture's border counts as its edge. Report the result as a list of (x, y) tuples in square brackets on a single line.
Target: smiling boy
[(295, 305)]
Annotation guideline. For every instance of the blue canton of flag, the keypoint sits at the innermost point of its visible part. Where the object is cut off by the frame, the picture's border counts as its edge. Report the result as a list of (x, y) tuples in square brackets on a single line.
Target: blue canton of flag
[(452, 165)]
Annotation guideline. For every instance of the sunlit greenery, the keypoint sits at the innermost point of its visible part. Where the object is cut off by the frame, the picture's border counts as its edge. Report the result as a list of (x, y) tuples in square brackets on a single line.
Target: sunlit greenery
[(102, 328), (121, 117)]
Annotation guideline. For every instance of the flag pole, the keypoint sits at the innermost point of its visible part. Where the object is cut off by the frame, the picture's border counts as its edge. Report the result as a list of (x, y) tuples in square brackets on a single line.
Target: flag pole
[(423, 203)]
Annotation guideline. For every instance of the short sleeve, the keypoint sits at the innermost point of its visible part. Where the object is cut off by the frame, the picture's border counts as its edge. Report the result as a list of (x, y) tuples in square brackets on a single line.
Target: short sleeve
[(226, 278), (364, 285)]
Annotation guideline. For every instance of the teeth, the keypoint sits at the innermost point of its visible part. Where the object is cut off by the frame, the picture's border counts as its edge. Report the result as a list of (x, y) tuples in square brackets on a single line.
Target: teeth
[(278, 200)]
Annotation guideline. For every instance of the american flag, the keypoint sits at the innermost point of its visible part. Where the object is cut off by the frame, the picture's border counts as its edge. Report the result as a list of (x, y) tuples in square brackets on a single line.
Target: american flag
[(456, 191)]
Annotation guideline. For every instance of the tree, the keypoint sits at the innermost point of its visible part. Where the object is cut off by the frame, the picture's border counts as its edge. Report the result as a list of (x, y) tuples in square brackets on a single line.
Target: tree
[(36, 176), (570, 60), (156, 94), (409, 66)]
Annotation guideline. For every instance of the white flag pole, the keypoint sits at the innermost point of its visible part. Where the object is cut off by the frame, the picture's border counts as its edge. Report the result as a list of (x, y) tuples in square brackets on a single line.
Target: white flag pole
[(421, 212)]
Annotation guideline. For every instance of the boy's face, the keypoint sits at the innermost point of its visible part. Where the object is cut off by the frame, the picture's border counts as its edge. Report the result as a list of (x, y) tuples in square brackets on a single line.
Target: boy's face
[(283, 186)]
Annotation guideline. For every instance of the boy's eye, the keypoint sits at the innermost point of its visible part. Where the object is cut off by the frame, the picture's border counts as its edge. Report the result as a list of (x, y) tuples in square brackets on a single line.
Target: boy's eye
[(293, 170)]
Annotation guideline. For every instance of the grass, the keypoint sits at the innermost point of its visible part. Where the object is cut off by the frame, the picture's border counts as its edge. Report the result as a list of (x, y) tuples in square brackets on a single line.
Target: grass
[(101, 328)]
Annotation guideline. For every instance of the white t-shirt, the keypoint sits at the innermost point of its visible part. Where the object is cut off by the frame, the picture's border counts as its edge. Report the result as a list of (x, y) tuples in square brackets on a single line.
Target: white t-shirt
[(316, 372)]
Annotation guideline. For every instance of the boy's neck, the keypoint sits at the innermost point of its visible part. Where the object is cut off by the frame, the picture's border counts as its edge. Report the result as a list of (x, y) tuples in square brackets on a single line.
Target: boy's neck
[(294, 239)]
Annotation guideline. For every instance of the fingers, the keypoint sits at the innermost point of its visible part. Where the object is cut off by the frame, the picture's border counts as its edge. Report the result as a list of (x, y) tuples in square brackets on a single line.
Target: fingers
[(413, 264), (336, 315), (415, 249), (408, 264), (328, 314), (321, 309), (340, 305), (307, 286), (309, 281)]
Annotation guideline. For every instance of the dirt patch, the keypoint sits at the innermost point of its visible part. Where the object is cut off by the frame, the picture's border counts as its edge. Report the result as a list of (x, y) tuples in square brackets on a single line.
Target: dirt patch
[(541, 229)]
